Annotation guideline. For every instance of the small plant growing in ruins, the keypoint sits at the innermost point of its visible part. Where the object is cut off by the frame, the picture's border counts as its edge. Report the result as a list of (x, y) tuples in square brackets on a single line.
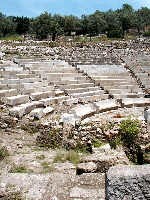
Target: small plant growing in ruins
[(129, 130), (97, 143), (40, 157), (32, 130), (19, 169), (115, 141), (47, 168), (71, 156), (3, 153)]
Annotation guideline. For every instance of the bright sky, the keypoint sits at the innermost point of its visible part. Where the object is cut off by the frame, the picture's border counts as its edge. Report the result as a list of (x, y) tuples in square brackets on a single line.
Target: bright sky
[(33, 8)]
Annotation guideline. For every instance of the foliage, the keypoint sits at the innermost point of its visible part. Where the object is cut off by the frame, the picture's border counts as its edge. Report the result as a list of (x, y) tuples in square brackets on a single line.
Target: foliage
[(115, 23), (19, 169), (71, 156), (116, 33), (46, 167), (3, 153), (146, 34), (50, 139), (129, 130)]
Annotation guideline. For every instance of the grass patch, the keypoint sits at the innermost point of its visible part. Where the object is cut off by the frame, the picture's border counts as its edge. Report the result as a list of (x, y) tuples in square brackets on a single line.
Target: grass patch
[(70, 156), (40, 157), (12, 37), (31, 130), (97, 143), (46, 167), (3, 153), (20, 169)]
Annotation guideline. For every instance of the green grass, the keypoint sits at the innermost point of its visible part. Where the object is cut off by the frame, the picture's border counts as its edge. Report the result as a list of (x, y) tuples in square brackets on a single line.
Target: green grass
[(20, 169), (47, 168), (12, 37), (3, 153), (71, 156), (97, 143), (40, 157)]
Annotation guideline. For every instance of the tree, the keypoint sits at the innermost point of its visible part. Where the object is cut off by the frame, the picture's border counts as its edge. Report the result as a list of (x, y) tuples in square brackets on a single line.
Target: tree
[(96, 23), (126, 16), (42, 25), (22, 24), (142, 18)]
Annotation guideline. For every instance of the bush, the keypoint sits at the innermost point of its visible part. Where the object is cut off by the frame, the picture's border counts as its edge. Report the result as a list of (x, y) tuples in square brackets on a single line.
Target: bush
[(71, 156), (146, 34), (3, 153), (115, 33), (129, 130)]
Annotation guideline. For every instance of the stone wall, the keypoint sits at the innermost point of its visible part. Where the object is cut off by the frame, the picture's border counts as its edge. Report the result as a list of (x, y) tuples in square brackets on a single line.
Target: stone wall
[(128, 183)]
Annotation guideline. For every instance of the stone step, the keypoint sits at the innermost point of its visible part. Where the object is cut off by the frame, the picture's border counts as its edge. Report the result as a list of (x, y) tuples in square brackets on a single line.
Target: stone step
[(106, 105), (41, 95), (128, 95), (75, 86), (53, 100), (24, 109), (4, 87), (35, 84), (39, 89), (54, 69), (85, 99), (129, 102), (41, 112), (16, 100), (68, 82), (25, 76), (114, 83), (99, 77), (8, 93), (10, 81), (80, 90), (60, 75), (123, 91), (90, 93), (121, 87)]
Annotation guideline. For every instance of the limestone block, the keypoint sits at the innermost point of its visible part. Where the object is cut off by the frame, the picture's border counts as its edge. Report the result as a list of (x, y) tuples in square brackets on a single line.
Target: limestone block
[(83, 111), (16, 100), (24, 109), (128, 182), (7, 93)]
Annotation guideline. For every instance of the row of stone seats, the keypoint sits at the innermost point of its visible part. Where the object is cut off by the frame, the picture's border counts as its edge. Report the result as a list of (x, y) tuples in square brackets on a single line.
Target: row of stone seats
[(41, 84), (113, 78), (141, 70)]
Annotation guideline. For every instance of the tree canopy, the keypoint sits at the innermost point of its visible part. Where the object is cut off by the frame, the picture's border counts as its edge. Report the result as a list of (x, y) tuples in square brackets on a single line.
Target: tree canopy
[(115, 23)]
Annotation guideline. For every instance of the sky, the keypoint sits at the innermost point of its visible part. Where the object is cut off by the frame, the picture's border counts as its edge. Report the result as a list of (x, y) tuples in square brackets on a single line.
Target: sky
[(33, 8)]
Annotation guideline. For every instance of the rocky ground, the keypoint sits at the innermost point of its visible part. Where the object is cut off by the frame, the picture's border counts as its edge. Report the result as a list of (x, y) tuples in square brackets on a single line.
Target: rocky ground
[(42, 159)]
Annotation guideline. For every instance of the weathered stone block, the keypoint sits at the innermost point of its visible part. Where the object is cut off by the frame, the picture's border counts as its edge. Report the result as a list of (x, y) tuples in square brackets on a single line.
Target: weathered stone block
[(128, 182)]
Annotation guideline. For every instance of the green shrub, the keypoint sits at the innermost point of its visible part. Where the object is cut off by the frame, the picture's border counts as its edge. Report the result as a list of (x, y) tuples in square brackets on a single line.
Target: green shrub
[(19, 169), (129, 130), (114, 142), (71, 156), (146, 34), (3, 153), (116, 33)]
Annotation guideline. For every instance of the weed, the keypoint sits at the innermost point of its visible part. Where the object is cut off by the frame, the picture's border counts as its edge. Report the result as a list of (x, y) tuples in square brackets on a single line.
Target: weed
[(114, 142), (97, 143), (46, 167), (40, 157), (71, 156), (129, 130), (32, 130), (12, 37), (20, 169), (3, 153), (50, 139)]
